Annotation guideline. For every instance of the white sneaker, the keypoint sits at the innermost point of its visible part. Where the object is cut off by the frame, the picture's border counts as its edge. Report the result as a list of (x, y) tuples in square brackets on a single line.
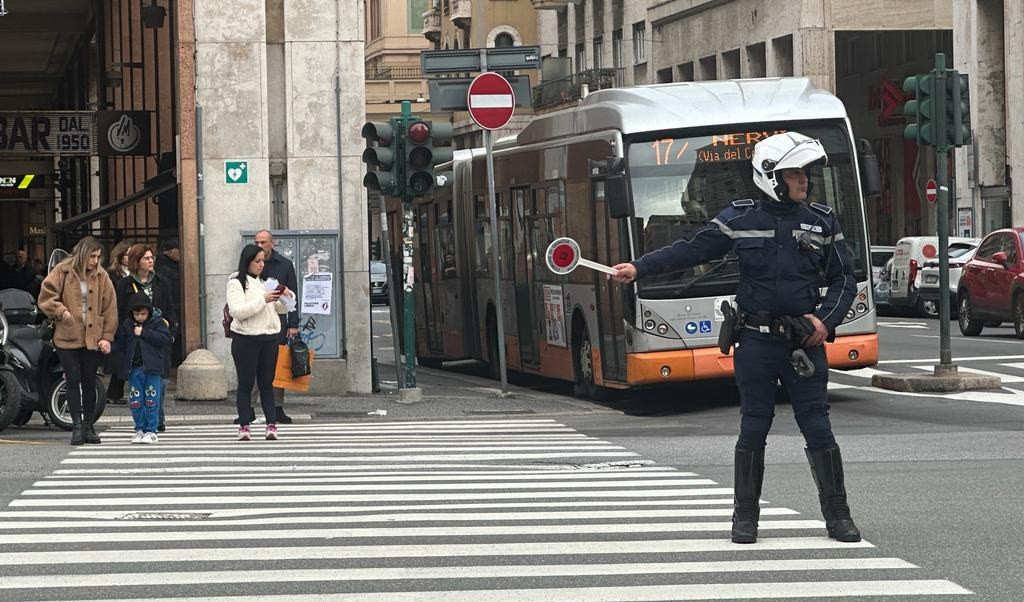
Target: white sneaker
[(138, 437), (148, 438)]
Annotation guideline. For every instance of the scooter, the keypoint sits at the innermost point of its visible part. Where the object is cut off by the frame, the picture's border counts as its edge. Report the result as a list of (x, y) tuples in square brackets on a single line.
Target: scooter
[(10, 388), (34, 363)]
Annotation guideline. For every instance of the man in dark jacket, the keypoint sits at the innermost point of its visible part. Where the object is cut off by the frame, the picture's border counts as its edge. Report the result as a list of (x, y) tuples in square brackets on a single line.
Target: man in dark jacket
[(281, 268)]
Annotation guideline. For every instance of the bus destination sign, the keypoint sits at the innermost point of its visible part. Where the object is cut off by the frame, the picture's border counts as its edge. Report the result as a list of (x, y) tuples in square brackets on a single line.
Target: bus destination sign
[(47, 133), (737, 146)]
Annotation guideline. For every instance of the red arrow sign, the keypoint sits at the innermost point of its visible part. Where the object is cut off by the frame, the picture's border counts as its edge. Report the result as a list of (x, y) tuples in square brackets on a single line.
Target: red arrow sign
[(931, 191), (491, 101)]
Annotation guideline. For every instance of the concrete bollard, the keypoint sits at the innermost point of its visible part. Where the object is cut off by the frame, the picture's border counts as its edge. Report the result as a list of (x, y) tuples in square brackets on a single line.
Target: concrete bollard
[(201, 377)]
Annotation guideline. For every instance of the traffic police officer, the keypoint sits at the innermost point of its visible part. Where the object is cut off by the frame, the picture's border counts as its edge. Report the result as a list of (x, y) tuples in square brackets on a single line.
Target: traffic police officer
[(786, 248)]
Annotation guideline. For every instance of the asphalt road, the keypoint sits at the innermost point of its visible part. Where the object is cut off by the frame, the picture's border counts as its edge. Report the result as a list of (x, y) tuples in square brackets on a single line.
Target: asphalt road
[(626, 505)]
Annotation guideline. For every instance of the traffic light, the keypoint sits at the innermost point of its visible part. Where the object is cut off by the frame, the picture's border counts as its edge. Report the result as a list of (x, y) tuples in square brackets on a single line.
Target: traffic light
[(958, 108), (921, 109), (375, 249), (427, 146), (382, 148)]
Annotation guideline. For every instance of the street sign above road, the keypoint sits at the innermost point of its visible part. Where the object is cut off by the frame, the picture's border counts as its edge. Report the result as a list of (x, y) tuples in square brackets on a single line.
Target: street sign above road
[(931, 191), (491, 101), (469, 60)]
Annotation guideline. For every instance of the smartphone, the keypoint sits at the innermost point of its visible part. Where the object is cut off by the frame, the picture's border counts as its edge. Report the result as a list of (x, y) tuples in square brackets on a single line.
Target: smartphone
[(280, 289)]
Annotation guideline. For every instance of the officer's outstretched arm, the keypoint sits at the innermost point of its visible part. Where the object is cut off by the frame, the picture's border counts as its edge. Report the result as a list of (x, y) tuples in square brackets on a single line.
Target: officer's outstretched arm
[(842, 285), (706, 244)]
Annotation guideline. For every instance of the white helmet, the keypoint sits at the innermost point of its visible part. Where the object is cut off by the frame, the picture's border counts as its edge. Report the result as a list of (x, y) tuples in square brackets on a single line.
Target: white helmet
[(784, 151)]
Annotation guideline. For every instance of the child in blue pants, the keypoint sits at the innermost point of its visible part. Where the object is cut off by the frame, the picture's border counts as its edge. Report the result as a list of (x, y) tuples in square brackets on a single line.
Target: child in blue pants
[(143, 339)]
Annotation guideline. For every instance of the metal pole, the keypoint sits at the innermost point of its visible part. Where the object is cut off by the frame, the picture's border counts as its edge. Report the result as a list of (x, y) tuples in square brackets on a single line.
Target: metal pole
[(340, 289), (385, 251), (200, 202), (495, 250), (408, 223), (945, 366)]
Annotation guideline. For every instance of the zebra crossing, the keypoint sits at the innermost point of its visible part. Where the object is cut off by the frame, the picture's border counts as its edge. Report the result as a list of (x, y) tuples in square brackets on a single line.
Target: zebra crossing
[(455, 510), (1010, 372)]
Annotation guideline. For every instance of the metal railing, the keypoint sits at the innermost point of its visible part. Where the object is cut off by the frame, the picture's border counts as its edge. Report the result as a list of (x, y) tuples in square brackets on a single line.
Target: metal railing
[(567, 89), (394, 73)]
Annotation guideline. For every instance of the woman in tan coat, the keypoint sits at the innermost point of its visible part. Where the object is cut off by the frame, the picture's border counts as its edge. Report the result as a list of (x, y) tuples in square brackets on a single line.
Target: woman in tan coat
[(79, 296)]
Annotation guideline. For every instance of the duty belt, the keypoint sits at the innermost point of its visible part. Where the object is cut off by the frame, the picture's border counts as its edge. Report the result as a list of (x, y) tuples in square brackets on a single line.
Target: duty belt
[(761, 324)]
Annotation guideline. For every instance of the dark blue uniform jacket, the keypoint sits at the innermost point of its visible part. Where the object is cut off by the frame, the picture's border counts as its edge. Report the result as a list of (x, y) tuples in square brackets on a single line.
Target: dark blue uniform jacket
[(778, 274)]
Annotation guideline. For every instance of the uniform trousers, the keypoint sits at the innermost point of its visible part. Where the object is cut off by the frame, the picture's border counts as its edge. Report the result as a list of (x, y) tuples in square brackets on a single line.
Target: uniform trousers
[(761, 360)]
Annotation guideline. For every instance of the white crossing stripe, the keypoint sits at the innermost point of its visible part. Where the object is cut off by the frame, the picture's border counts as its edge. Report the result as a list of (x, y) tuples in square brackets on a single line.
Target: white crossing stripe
[(1006, 378), (863, 372), (462, 511)]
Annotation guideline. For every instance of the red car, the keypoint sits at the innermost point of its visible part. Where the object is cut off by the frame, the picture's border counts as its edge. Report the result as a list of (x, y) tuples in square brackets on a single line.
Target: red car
[(992, 283)]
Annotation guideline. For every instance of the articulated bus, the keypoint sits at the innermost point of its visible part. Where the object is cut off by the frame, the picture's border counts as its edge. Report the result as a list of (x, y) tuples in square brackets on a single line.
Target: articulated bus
[(624, 172)]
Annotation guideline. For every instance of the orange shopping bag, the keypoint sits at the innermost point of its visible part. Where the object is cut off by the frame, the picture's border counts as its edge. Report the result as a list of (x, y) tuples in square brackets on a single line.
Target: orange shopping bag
[(283, 378)]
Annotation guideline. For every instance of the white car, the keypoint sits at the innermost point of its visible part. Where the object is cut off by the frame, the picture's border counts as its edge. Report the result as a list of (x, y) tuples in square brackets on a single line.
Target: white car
[(879, 257), (911, 254), (959, 254)]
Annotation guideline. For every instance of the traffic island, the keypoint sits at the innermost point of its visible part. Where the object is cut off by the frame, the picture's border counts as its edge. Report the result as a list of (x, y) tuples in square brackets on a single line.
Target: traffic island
[(945, 379)]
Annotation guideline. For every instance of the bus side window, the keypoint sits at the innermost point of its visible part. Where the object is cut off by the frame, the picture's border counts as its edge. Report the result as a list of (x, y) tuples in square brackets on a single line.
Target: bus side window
[(482, 234)]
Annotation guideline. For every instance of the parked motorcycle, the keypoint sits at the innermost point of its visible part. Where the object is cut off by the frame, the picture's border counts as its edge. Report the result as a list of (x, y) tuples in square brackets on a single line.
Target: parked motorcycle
[(34, 364), (10, 389)]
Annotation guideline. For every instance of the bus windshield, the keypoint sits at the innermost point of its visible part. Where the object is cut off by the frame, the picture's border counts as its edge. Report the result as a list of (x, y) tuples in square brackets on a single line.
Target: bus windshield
[(680, 184)]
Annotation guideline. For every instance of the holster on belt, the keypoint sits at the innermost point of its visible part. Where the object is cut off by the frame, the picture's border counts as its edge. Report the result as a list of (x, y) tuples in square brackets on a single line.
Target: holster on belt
[(728, 333)]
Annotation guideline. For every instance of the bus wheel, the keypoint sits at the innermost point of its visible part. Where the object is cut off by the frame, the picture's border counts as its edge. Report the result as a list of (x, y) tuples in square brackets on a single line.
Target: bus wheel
[(583, 364)]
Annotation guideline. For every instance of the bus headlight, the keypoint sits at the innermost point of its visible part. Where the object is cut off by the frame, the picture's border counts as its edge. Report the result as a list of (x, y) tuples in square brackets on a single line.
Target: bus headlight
[(649, 325), (665, 371), (861, 308), (853, 355), (662, 328), (851, 314)]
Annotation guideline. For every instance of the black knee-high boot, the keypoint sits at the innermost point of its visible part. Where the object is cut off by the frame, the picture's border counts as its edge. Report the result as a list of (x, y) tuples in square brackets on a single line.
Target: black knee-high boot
[(827, 470), (88, 416), (76, 430), (748, 474)]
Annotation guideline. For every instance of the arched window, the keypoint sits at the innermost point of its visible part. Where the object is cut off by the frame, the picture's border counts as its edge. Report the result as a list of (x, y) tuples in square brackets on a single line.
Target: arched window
[(504, 40)]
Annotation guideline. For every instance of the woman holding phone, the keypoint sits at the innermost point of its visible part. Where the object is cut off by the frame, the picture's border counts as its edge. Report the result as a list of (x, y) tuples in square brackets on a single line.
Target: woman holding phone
[(256, 326)]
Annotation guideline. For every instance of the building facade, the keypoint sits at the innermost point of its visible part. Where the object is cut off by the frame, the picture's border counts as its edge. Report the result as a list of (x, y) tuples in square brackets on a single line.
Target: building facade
[(861, 50)]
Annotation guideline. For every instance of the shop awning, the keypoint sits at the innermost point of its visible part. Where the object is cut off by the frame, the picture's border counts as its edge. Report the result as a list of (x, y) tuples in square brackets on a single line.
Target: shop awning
[(162, 182)]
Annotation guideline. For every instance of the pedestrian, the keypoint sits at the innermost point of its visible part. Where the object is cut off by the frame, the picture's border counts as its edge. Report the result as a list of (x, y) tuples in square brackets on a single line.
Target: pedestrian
[(281, 268), (25, 274), (142, 342), (256, 326), (168, 266), (787, 250), (79, 296), (117, 269), (142, 278)]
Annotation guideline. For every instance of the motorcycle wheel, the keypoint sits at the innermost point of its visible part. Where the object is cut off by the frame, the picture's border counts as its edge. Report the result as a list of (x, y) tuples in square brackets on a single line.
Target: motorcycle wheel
[(57, 404), (10, 399)]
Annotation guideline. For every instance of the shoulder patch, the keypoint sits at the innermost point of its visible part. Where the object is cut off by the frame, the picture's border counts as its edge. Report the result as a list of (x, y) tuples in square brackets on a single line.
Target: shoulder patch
[(743, 203), (822, 208)]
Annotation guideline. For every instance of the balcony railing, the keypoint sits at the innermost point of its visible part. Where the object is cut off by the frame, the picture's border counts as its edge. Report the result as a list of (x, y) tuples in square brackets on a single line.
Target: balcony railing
[(432, 23), (394, 73), (567, 89)]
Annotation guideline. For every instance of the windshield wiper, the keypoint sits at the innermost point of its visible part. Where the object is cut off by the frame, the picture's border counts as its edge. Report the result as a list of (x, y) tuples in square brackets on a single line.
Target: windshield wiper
[(711, 271)]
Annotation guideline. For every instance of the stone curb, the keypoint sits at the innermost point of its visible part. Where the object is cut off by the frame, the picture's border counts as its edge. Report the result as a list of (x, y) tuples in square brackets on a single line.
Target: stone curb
[(929, 383)]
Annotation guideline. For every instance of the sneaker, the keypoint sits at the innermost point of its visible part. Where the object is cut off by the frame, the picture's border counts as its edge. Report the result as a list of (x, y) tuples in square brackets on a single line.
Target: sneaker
[(138, 437), (271, 432), (243, 433), (148, 438)]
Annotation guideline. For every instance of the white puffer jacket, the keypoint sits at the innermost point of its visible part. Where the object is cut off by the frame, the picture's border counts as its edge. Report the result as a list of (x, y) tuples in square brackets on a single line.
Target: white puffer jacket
[(251, 313)]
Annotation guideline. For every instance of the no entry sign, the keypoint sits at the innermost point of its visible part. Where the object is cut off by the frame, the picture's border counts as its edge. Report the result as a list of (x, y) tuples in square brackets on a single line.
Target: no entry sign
[(563, 256), (491, 101), (931, 191)]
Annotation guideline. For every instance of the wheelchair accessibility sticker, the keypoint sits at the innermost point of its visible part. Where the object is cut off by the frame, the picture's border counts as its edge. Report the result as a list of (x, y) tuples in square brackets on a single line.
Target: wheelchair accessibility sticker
[(705, 326), (691, 328)]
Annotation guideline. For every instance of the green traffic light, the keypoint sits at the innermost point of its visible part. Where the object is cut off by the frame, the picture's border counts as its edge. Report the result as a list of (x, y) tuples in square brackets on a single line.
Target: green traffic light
[(420, 183)]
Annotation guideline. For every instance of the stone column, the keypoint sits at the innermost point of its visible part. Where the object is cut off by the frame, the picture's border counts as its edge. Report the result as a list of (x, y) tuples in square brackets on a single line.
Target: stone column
[(1013, 23), (324, 40), (231, 86)]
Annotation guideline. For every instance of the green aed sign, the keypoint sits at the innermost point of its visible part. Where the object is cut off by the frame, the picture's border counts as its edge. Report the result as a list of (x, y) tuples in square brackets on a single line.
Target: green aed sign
[(236, 172)]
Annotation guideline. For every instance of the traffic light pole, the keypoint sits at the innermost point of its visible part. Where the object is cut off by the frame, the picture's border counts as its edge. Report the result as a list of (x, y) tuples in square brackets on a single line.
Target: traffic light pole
[(408, 273), (945, 367)]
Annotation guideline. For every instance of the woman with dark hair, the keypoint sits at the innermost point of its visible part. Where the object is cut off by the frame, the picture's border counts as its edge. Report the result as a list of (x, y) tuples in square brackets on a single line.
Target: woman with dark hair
[(256, 326), (117, 269), (142, 278), (79, 296)]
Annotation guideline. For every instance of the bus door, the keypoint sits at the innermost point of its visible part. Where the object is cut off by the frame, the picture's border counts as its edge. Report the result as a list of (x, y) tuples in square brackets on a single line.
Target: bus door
[(523, 275), (426, 276), (609, 248)]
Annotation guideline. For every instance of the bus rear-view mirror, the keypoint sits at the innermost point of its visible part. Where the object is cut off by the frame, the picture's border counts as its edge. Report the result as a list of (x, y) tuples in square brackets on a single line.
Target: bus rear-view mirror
[(870, 175), (617, 196)]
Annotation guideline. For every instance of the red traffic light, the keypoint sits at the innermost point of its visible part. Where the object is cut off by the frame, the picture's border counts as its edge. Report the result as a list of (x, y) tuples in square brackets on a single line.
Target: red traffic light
[(419, 132)]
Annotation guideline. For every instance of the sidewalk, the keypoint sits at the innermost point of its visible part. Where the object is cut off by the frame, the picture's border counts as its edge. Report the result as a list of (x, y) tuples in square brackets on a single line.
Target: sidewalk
[(446, 395)]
